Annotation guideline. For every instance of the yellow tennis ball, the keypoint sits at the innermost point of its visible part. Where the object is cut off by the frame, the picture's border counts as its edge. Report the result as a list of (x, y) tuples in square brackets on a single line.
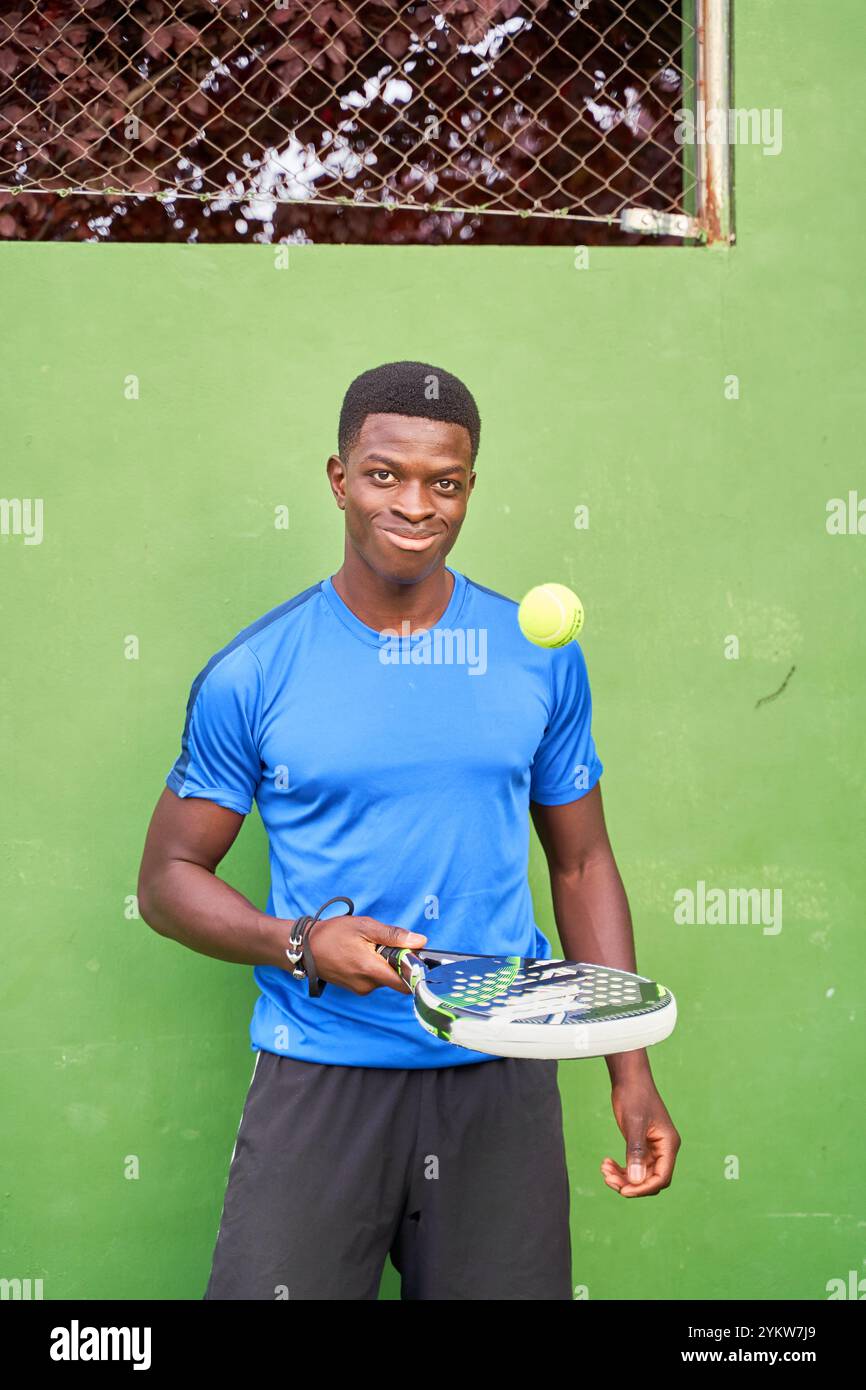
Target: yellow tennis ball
[(551, 615)]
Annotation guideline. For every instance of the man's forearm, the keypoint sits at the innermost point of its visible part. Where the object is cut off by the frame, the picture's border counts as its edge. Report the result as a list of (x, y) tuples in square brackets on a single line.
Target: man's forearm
[(594, 924), (191, 905)]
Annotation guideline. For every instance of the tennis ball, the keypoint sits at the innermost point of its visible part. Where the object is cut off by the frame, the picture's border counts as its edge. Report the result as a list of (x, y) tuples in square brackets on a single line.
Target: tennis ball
[(550, 615)]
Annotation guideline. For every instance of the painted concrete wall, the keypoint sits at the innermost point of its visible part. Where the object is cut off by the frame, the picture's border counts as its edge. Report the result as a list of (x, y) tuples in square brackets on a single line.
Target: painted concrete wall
[(602, 387)]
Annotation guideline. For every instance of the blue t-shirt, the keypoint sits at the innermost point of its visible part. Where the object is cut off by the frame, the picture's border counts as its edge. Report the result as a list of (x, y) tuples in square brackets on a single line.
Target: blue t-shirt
[(397, 770)]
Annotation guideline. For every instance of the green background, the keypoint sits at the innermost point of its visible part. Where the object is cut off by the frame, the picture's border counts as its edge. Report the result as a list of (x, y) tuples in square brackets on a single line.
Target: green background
[(602, 387)]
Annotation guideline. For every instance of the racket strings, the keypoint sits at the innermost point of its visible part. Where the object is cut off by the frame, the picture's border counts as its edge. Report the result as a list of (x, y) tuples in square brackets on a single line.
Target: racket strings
[(517, 990)]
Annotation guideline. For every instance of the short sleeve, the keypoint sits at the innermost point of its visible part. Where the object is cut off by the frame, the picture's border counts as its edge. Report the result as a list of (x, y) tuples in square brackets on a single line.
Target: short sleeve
[(566, 765), (219, 758)]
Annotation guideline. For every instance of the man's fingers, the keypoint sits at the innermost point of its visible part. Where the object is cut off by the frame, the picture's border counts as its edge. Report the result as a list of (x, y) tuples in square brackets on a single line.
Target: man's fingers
[(666, 1157), (650, 1188), (636, 1151), (616, 1177), (391, 980), (613, 1174), (380, 973), (385, 935), (612, 1179)]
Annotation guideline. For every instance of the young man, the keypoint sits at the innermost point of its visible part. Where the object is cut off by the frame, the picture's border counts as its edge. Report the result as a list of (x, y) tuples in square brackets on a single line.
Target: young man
[(396, 730)]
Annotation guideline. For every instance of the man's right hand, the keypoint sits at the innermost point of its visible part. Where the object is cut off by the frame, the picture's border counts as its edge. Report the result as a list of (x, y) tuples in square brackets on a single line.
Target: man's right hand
[(344, 949)]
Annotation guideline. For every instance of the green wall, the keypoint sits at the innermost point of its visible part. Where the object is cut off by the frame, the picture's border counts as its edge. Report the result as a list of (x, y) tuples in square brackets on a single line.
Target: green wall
[(707, 518)]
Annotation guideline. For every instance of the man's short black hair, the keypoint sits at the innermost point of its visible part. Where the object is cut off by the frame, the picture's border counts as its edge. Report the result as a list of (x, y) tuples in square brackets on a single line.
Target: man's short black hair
[(407, 388)]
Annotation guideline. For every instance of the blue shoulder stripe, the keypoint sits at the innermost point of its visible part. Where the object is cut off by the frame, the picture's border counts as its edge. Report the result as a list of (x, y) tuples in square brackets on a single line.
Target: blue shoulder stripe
[(179, 769), (493, 593)]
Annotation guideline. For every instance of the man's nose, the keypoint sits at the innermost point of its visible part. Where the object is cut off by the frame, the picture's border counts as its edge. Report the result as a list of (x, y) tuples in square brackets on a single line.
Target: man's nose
[(413, 502)]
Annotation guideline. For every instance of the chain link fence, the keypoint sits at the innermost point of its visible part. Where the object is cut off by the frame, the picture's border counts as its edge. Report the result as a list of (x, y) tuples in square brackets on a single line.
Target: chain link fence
[(530, 121)]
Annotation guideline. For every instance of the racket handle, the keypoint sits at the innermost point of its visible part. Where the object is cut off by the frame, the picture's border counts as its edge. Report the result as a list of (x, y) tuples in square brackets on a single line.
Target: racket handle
[(390, 953), (404, 963)]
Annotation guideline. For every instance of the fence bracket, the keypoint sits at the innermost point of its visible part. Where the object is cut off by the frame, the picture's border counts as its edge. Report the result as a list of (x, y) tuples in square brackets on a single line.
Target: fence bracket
[(650, 223)]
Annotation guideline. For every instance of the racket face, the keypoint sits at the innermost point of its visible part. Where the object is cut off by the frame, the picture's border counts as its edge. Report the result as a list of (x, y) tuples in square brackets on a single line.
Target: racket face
[(514, 1007)]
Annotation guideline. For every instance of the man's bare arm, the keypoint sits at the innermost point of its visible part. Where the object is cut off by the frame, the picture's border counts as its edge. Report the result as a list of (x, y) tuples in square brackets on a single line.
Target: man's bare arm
[(589, 900), (180, 896), (594, 924)]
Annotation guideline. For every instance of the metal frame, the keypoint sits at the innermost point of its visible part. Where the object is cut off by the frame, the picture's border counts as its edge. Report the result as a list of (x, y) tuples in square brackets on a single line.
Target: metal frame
[(714, 161), (708, 217)]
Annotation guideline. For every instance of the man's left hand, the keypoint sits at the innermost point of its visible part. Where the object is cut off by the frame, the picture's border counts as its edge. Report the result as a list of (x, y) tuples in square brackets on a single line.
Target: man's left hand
[(651, 1138)]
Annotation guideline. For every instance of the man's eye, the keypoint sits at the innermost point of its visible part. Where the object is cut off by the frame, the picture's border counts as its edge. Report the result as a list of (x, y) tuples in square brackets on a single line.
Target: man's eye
[(382, 474), (449, 484)]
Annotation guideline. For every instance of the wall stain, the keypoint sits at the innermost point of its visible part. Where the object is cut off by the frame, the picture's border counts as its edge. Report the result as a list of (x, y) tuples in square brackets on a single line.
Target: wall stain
[(765, 699)]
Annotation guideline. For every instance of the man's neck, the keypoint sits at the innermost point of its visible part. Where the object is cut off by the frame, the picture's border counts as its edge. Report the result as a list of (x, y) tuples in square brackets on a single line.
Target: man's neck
[(381, 603)]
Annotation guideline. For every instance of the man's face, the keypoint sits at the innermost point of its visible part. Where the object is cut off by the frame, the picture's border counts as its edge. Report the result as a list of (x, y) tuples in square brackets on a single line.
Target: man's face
[(404, 488)]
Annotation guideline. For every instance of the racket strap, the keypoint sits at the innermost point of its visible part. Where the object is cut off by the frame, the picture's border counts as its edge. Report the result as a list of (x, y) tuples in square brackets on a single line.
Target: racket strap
[(301, 953)]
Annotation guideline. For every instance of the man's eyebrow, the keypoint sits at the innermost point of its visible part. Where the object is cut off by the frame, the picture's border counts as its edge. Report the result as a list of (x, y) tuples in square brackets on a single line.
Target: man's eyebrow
[(395, 463)]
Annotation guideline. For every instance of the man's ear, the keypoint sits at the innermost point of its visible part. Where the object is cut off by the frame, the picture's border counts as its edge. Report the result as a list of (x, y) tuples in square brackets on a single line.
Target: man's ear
[(336, 470)]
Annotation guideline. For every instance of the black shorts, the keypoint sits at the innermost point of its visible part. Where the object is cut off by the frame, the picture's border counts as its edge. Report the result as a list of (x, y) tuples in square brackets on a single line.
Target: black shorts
[(457, 1173)]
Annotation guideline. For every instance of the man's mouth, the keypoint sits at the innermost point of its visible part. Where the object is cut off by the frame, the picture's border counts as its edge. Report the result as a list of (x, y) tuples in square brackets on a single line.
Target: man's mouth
[(407, 539)]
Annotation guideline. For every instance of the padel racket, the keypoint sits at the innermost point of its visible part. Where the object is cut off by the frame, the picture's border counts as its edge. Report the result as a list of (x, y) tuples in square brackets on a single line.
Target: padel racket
[(515, 1007)]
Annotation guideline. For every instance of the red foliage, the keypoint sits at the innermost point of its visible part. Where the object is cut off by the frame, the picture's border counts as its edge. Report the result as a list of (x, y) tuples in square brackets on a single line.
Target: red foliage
[(559, 111)]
